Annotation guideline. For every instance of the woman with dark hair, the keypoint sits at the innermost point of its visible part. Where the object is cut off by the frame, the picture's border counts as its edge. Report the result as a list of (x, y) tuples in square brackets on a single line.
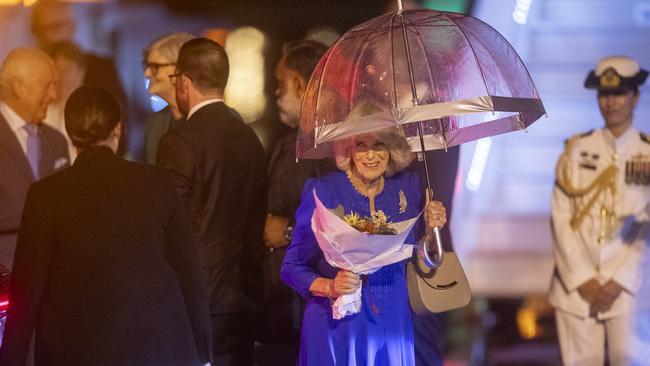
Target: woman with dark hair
[(106, 271), (371, 182)]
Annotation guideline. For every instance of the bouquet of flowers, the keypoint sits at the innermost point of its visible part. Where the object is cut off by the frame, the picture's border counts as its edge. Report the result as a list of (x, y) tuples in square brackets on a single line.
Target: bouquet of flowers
[(377, 223), (363, 250)]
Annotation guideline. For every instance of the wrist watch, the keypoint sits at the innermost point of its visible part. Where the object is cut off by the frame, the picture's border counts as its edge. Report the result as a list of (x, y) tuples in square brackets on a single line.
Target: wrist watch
[(288, 233)]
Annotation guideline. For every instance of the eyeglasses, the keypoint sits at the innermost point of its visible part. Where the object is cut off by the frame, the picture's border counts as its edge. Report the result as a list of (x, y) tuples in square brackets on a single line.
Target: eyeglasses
[(174, 77), (155, 66)]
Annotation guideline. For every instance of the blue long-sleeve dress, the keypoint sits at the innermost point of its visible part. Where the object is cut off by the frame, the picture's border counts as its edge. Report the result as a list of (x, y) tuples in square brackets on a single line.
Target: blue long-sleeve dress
[(382, 332)]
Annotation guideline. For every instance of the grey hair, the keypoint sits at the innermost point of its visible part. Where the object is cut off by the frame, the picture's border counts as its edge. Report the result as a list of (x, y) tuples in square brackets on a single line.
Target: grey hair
[(400, 154), (168, 45), (18, 64)]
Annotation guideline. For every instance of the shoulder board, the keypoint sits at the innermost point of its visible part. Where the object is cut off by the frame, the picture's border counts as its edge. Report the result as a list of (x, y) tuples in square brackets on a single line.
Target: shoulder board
[(578, 136), (588, 133), (645, 138)]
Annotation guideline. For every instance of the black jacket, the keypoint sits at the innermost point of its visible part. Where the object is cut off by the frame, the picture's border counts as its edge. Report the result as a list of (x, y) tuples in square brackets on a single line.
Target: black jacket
[(287, 176), (219, 168), (106, 270)]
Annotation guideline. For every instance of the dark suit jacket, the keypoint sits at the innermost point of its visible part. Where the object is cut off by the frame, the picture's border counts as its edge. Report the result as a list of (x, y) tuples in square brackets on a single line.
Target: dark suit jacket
[(16, 177), (219, 168), (106, 270), (287, 176), (158, 124)]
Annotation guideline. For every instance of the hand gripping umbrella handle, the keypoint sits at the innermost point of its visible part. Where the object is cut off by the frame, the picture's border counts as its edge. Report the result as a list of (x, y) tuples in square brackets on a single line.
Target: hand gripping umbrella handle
[(423, 251)]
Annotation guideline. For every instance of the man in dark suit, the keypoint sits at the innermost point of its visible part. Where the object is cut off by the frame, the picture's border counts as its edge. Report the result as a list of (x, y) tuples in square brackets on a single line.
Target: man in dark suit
[(106, 269), (29, 150), (219, 168)]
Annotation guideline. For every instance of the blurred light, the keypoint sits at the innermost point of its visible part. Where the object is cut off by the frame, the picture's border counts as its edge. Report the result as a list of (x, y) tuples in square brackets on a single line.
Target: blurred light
[(4, 303), (156, 103), (479, 160), (324, 35), (28, 3), (458, 6), (522, 8), (245, 90), (527, 323), (218, 35)]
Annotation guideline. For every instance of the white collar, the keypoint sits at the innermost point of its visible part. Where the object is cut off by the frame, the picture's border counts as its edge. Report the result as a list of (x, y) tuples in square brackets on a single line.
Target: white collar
[(13, 119), (631, 132), (202, 104), (619, 142)]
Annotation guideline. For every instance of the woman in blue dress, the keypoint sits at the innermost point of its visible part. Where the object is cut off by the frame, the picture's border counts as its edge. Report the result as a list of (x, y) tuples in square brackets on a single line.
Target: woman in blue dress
[(371, 179)]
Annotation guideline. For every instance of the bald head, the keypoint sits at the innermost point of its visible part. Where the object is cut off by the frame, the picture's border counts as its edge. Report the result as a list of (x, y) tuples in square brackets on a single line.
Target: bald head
[(52, 21), (27, 83)]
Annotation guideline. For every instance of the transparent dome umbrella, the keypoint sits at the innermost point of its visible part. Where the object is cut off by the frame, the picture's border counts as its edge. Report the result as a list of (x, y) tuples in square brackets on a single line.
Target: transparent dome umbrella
[(446, 78)]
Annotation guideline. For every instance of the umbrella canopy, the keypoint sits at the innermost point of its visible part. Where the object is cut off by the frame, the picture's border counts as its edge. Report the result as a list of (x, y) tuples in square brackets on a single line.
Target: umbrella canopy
[(453, 73)]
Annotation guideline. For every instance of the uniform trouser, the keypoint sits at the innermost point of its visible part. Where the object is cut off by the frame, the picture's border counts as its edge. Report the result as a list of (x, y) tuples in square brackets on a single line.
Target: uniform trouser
[(586, 342)]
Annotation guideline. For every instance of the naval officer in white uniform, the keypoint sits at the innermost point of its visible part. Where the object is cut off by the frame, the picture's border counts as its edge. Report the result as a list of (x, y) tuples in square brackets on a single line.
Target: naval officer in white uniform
[(599, 206)]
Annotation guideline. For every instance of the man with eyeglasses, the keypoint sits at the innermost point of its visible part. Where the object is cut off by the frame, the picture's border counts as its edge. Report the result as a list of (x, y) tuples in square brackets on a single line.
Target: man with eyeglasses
[(219, 168), (600, 211)]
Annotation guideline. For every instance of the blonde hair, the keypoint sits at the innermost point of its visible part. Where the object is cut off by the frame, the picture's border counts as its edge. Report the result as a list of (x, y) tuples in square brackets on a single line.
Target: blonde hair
[(400, 154), (168, 45)]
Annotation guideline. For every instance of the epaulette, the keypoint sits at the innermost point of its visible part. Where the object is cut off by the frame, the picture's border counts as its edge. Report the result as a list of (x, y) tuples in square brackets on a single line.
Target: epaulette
[(645, 138), (586, 133), (578, 136)]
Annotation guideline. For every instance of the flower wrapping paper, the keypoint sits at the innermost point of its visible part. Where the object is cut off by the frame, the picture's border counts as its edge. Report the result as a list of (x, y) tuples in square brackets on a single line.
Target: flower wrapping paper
[(359, 252)]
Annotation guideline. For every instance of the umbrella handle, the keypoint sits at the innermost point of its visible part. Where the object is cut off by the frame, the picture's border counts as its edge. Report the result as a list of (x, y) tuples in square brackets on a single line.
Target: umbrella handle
[(423, 251)]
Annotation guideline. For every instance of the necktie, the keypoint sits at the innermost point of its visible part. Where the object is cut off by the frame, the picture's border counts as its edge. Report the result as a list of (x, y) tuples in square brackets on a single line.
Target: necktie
[(33, 148)]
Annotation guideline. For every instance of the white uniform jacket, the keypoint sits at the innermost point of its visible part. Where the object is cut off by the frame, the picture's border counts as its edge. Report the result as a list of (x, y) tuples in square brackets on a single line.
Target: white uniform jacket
[(578, 254)]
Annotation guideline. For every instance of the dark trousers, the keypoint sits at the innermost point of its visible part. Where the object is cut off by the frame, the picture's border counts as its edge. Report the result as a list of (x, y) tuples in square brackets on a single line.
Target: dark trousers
[(233, 339)]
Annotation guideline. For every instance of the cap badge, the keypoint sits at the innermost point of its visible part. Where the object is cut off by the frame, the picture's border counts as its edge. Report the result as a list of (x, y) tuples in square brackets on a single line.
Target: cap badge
[(610, 79)]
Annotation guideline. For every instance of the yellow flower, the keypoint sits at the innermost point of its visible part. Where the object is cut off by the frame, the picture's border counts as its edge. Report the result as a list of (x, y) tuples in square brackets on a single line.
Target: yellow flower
[(352, 219)]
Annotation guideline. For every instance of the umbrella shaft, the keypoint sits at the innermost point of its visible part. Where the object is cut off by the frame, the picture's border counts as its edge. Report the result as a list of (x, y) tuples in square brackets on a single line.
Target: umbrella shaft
[(414, 94), (409, 62), (424, 160)]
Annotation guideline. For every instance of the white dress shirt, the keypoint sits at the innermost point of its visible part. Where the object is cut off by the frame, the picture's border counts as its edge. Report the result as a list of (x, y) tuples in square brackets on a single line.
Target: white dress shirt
[(202, 104)]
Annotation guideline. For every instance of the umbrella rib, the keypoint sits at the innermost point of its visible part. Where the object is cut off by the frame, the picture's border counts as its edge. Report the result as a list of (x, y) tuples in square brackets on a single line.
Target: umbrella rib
[(462, 31), (426, 56), (392, 59), (430, 76), (355, 66), (431, 18), (530, 79), (320, 81)]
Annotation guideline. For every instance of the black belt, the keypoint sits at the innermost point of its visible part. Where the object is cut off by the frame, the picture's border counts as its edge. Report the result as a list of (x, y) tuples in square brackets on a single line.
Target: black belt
[(9, 232)]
